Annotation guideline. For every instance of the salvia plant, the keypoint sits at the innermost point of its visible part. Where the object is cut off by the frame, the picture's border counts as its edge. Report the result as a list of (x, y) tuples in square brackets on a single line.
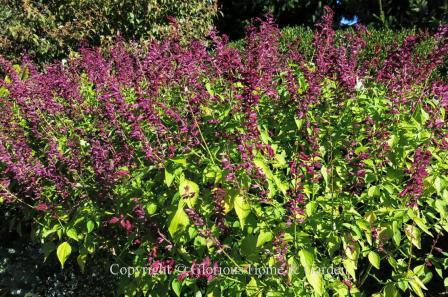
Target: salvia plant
[(330, 170)]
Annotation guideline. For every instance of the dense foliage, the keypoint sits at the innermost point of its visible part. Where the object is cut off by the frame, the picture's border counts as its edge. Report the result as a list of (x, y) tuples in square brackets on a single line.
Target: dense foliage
[(218, 157), (46, 30)]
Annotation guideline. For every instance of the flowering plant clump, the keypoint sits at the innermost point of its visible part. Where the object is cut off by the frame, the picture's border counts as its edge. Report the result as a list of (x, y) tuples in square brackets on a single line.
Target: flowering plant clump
[(211, 157)]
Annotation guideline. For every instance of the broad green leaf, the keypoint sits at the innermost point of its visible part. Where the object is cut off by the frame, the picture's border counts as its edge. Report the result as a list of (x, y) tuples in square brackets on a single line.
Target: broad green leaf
[(370, 217), (350, 266), (179, 221), (414, 235), (423, 273), (422, 116), (374, 191), (63, 252), (177, 286), (341, 289), (363, 224), (264, 237), (169, 177), (438, 185), (307, 259), (229, 203), (71, 233), (210, 90), (242, 209), (396, 233), (299, 123), (441, 207), (264, 135), (416, 284), (47, 232), (310, 208), (189, 191), (90, 226), (151, 208), (375, 259), (315, 279), (393, 141), (391, 291)]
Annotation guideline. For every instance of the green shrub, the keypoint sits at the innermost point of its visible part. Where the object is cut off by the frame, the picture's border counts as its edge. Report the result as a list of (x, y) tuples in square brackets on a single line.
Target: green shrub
[(50, 29), (183, 160)]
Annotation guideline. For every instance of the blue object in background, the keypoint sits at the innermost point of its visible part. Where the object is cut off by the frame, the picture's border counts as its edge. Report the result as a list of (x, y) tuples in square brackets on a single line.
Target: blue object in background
[(349, 22)]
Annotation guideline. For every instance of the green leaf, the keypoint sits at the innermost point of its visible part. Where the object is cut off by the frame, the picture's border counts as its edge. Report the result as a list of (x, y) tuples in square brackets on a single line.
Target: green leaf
[(374, 191), (81, 260), (307, 259), (391, 291), (151, 208), (414, 235), (179, 221), (177, 286), (210, 90), (169, 177), (242, 209), (422, 116), (350, 266), (393, 141), (264, 135), (441, 206), (315, 279), (438, 185), (71, 233), (248, 245), (422, 225), (47, 232), (396, 233), (90, 226), (274, 182), (189, 191), (311, 208), (416, 284), (264, 237), (340, 288), (375, 259), (63, 252), (299, 123)]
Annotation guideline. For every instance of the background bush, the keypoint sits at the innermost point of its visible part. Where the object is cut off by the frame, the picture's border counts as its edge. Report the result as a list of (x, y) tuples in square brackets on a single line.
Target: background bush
[(46, 30)]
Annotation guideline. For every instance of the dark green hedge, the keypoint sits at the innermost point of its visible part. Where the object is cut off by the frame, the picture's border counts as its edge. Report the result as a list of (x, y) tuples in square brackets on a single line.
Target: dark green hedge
[(47, 30)]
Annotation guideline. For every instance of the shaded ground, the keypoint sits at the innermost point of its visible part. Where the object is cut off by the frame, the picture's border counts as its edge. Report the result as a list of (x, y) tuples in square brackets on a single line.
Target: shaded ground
[(23, 273)]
